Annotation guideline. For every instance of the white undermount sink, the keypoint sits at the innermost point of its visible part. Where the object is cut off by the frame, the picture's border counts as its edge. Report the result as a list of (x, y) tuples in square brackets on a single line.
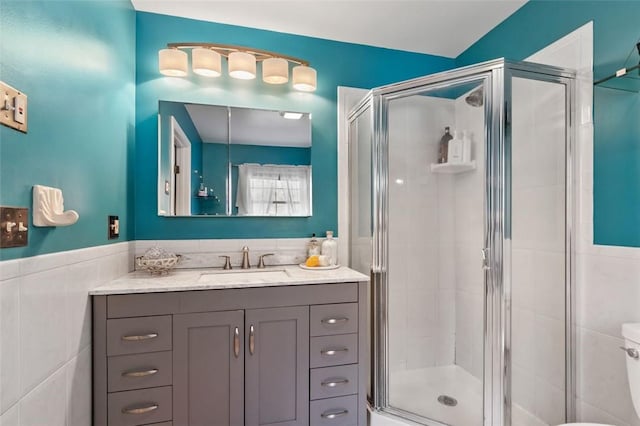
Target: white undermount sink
[(243, 275)]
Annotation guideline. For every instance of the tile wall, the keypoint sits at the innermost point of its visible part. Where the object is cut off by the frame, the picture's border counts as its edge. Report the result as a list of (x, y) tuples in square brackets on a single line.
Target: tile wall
[(538, 249), (467, 214), (421, 293), (45, 330)]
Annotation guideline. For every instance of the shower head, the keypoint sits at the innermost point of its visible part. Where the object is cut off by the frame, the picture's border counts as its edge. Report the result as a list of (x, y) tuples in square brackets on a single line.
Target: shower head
[(476, 98)]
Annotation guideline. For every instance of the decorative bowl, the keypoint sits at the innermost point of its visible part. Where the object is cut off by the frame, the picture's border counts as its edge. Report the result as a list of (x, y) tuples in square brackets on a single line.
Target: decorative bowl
[(158, 261), (158, 266)]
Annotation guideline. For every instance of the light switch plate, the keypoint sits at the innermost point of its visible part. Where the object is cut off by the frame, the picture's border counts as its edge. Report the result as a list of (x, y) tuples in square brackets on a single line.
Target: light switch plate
[(14, 227), (13, 108)]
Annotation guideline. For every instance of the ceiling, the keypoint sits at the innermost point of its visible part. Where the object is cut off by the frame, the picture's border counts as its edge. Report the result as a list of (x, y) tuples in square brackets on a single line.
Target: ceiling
[(437, 27), (249, 126)]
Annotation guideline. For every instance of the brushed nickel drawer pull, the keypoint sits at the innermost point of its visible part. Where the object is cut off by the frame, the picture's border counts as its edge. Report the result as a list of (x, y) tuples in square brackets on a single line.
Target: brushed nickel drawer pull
[(334, 321), (334, 414), (332, 352), (140, 373), (141, 410), (236, 342), (331, 383), (137, 338), (252, 339)]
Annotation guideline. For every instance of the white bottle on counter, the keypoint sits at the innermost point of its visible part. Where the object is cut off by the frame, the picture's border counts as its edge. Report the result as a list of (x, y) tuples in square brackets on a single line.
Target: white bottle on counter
[(330, 249)]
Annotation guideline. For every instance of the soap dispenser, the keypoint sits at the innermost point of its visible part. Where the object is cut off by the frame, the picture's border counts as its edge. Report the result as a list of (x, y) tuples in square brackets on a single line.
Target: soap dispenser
[(330, 249), (313, 248)]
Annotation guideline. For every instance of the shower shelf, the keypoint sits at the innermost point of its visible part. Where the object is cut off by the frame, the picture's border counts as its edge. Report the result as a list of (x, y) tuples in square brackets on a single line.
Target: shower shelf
[(453, 167)]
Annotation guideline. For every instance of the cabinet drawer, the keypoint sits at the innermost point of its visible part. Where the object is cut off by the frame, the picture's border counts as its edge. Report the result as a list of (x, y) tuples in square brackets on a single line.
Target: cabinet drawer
[(138, 371), (140, 407), (341, 411), (333, 350), (330, 382), (340, 318), (138, 335)]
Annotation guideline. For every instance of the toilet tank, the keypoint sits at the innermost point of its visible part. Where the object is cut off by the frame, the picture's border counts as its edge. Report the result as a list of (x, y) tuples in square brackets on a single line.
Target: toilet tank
[(631, 334)]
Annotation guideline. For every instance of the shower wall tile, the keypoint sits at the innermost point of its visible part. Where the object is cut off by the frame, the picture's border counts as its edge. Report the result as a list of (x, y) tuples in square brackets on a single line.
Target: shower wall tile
[(549, 402), (420, 275), (549, 361), (523, 391), (421, 352), (468, 239)]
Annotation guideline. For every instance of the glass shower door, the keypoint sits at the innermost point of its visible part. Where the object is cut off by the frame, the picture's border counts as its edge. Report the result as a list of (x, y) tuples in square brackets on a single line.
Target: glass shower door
[(435, 151)]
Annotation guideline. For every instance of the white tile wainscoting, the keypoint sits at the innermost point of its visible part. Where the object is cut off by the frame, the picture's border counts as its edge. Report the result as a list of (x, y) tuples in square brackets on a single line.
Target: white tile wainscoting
[(45, 333)]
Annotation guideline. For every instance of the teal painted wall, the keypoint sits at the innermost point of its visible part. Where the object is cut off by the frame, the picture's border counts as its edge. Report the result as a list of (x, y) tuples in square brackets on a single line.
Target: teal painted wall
[(616, 210), (75, 60), (338, 64)]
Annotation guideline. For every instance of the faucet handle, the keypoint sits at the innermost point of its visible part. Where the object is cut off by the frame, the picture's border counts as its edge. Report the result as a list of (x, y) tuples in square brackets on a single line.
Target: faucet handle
[(261, 264), (227, 262)]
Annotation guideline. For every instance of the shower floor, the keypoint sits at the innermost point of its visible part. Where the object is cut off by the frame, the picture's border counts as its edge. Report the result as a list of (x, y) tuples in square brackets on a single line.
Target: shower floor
[(417, 391)]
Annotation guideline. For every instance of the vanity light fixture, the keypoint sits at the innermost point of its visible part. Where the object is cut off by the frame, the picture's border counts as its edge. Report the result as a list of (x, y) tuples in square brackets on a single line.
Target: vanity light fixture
[(206, 60)]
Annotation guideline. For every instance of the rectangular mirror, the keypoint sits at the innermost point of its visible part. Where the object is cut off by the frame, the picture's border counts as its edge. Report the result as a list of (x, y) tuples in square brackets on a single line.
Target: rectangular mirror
[(217, 161)]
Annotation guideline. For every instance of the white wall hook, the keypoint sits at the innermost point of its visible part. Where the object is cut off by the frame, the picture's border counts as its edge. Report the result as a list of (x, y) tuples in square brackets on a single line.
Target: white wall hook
[(48, 208)]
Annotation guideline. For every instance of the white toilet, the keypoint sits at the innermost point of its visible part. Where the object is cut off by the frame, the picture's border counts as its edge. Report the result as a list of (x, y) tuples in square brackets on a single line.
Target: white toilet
[(631, 334)]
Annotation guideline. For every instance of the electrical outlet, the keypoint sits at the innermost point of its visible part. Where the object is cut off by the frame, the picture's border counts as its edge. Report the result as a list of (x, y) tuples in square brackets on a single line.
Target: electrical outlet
[(14, 227), (113, 227)]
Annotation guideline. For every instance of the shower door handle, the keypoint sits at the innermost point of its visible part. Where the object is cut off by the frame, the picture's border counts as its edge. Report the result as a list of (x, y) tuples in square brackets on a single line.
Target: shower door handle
[(485, 259)]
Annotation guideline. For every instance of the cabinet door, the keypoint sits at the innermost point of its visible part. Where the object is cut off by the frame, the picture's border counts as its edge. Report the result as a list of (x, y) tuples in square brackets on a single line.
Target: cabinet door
[(208, 367), (277, 367)]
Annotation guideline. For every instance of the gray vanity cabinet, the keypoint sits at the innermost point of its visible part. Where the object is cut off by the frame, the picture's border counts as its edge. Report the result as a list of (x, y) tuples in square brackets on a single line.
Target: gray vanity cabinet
[(266, 356), (208, 369), (277, 367)]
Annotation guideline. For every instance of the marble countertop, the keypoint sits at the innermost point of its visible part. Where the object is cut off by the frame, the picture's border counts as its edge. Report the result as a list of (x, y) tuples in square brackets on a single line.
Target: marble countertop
[(216, 279)]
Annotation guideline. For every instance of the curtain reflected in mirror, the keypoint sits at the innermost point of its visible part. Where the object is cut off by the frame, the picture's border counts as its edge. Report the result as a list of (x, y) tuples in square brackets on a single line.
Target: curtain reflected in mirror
[(272, 190)]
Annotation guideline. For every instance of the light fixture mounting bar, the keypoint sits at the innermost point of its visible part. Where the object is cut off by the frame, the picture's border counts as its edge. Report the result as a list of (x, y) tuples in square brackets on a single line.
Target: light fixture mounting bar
[(225, 49)]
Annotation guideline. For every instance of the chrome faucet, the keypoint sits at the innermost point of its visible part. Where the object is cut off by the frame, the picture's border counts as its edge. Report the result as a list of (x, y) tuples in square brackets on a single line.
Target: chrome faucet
[(261, 264), (227, 262), (245, 258)]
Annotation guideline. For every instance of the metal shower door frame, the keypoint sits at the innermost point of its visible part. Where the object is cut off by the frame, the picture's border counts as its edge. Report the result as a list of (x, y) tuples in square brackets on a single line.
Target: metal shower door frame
[(496, 77)]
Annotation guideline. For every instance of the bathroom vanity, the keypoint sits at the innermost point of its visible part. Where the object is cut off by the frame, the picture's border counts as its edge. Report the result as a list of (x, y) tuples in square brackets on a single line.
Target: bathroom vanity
[(281, 346)]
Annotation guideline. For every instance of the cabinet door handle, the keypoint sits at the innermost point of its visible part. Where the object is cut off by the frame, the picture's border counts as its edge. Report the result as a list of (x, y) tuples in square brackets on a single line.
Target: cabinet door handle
[(140, 373), (334, 414), (332, 352), (139, 337), (252, 339), (236, 342), (334, 321), (140, 410), (332, 383)]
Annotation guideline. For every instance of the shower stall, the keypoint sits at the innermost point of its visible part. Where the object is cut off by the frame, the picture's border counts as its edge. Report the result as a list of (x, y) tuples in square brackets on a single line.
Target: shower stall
[(469, 244)]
